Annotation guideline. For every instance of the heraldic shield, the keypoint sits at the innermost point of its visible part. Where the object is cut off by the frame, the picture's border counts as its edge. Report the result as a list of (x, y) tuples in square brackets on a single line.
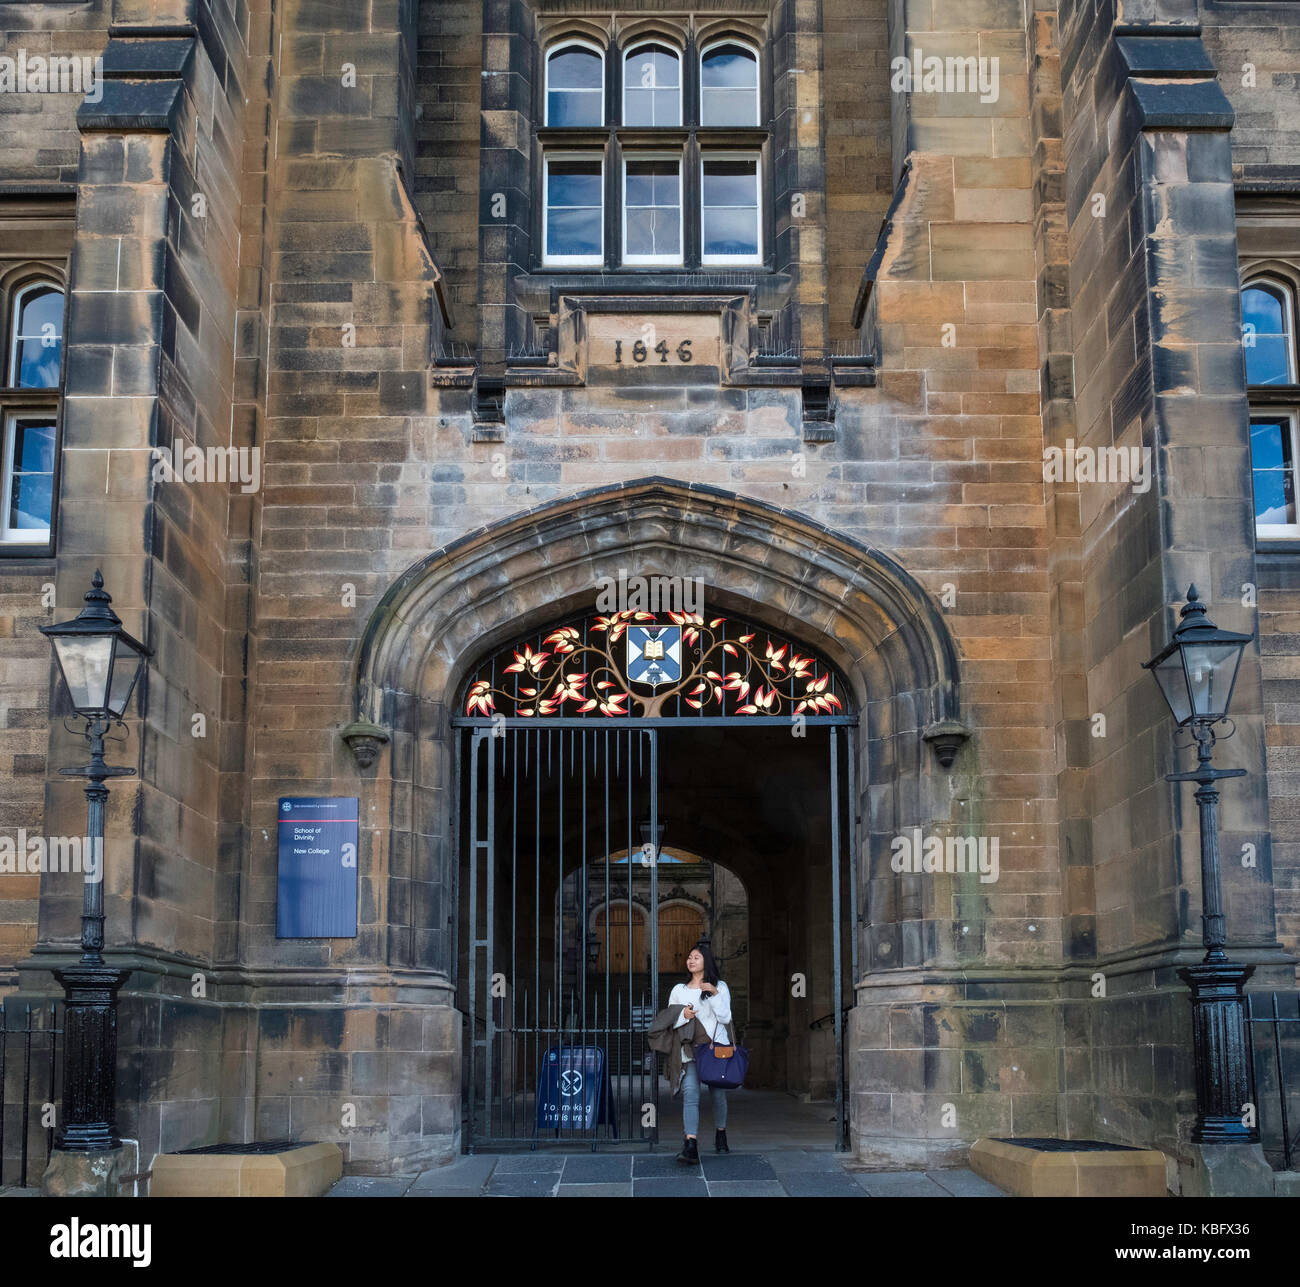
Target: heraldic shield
[(654, 655)]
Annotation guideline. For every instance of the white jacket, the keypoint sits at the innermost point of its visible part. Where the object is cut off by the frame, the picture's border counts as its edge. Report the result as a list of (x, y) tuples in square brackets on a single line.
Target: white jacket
[(713, 1010)]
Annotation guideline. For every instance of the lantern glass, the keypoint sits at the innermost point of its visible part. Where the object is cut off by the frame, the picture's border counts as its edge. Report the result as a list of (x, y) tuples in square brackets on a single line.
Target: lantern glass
[(1173, 684), (86, 661), (1211, 673), (127, 663)]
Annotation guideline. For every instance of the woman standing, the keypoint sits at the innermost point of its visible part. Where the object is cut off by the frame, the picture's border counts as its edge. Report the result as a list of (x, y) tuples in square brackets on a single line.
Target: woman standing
[(703, 997)]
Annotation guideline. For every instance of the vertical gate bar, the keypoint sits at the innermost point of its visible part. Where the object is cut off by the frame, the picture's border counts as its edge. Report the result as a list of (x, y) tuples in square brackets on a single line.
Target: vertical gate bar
[(1281, 1085), (54, 1034), (630, 937), (489, 876), (851, 792), (654, 867), (538, 1061), (514, 924), (582, 932), (607, 945), (472, 917), (27, 1095), (4, 1041), (835, 938)]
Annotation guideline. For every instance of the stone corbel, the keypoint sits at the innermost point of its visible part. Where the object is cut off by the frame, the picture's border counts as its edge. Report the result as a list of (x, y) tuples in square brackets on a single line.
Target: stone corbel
[(365, 740), (946, 738)]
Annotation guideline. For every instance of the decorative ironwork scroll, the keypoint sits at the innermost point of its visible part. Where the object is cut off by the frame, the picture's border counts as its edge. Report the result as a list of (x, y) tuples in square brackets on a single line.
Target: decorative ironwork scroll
[(639, 664)]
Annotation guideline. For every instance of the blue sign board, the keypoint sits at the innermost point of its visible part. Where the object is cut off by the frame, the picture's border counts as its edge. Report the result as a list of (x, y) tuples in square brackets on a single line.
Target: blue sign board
[(317, 894), (573, 1091)]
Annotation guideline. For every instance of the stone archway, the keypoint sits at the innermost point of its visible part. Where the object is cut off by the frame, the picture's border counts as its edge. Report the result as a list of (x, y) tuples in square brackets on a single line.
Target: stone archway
[(858, 607)]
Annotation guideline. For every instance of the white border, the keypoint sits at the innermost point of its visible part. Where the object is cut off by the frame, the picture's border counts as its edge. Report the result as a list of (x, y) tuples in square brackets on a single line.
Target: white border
[(756, 158), (571, 261), (633, 158)]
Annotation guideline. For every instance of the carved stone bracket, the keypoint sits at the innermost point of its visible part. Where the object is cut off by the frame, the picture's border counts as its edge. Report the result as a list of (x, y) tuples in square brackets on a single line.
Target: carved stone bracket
[(365, 740), (946, 739)]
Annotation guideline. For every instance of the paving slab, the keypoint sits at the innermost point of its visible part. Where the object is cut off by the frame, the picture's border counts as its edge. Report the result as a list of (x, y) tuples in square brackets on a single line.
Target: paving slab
[(529, 1163), (593, 1168), (466, 1172), (965, 1184), (900, 1184), (647, 1166), (786, 1161), (821, 1184), (370, 1186), (523, 1185), (595, 1190), (737, 1166)]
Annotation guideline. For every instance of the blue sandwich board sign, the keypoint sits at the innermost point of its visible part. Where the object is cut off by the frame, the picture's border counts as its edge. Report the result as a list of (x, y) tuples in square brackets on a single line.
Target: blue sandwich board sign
[(317, 892), (573, 1091)]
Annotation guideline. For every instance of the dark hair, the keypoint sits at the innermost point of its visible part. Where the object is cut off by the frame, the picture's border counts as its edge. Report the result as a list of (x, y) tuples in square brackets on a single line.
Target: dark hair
[(710, 965)]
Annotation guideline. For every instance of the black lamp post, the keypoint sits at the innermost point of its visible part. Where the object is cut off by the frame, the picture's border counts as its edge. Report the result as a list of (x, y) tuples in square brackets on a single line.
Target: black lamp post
[(1197, 671), (100, 664)]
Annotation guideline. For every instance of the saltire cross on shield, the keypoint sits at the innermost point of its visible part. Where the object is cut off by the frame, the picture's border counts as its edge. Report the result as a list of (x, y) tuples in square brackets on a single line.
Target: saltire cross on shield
[(654, 655)]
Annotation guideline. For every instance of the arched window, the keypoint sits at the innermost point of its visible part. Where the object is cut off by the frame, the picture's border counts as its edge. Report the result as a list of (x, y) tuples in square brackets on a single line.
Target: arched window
[(1268, 336), (575, 85), (30, 423), (36, 346), (729, 85), (1268, 332), (652, 86)]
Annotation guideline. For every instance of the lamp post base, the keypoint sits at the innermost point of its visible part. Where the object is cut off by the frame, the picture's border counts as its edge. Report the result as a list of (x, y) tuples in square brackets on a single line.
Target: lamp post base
[(1225, 1171), (88, 1175)]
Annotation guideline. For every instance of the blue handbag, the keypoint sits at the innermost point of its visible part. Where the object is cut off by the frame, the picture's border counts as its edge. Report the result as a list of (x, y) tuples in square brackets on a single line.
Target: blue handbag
[(720, 1065)]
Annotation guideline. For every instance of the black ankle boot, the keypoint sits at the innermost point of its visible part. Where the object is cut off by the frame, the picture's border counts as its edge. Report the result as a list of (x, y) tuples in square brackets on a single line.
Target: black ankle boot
[(690, 1153), (720, 1142)]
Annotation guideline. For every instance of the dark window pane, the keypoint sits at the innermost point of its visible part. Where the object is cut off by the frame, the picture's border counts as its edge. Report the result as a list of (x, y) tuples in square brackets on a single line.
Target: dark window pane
[(730, 183), (730, 232), (573, 108), (30, 502), (39, 340), (1266, 450), (1262, 309), (640, 232), (730, 67), (573, 183), (1274, 471), (572, 232), (574, 69), (1265, 337), (34, 446), (729, 107), (1266, 359), (639, 107)]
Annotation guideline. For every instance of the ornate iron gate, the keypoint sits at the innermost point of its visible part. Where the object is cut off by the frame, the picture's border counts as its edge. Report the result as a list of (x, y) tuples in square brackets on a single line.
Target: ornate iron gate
[(562, 812)]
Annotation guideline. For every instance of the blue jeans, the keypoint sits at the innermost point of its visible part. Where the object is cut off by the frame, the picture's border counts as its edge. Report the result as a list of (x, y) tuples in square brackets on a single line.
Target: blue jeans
[(691, 1103)]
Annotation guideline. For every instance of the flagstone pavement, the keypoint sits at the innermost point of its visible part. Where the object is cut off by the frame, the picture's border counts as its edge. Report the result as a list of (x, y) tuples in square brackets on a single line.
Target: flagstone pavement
[(775, 1173)]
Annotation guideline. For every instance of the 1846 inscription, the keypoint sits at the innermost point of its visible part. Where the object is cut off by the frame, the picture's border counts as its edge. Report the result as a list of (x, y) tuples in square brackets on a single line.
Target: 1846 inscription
[(639, 351)]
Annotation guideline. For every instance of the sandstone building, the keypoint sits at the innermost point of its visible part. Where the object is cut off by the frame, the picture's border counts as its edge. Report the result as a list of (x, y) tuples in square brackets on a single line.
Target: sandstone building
[(493, 301)]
